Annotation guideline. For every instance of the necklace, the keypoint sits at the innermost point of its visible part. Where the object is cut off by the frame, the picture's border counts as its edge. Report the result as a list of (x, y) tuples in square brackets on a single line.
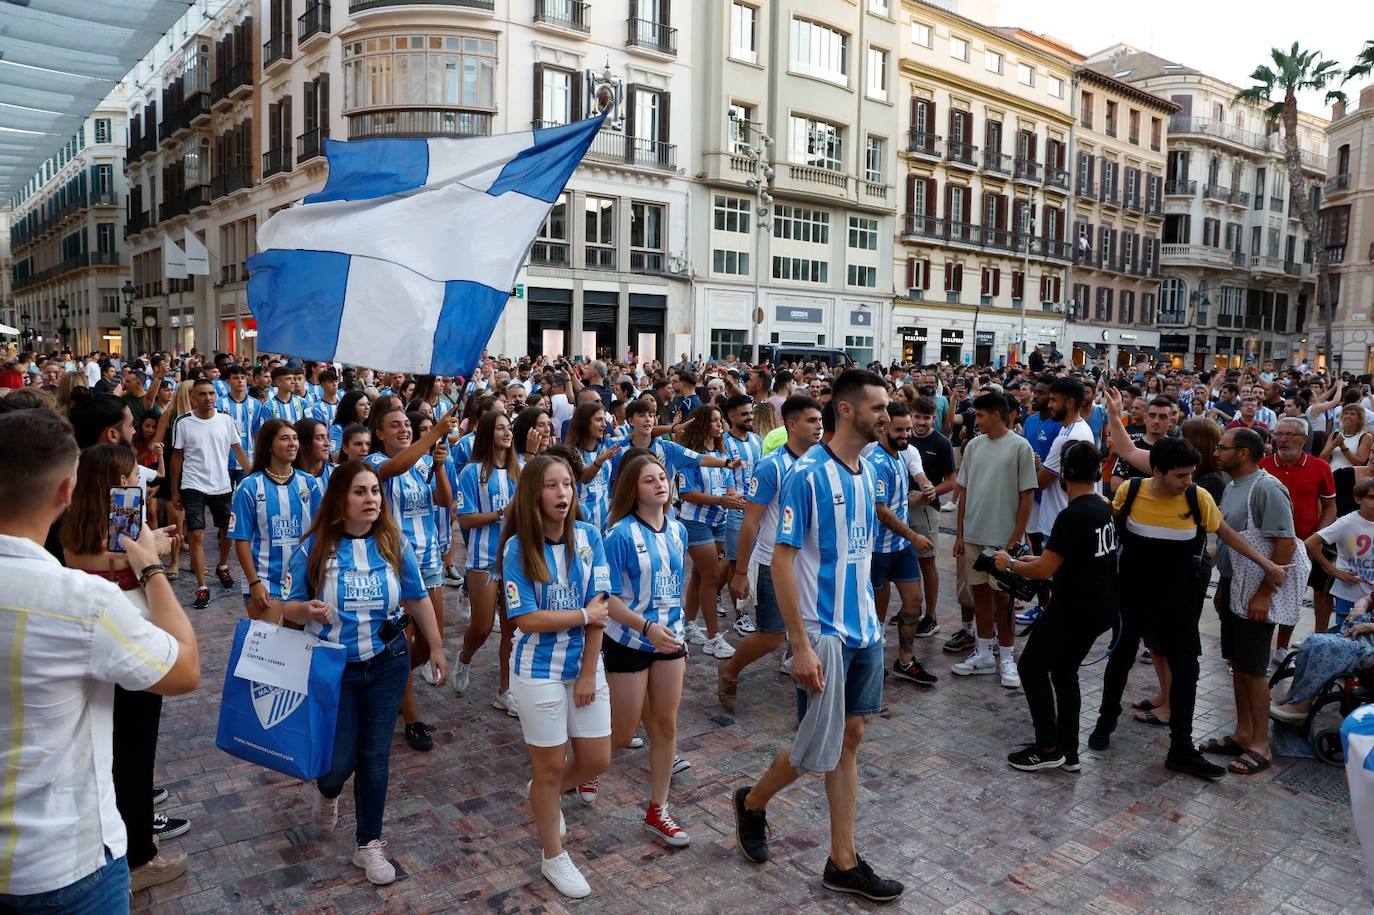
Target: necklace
[(279, 480)]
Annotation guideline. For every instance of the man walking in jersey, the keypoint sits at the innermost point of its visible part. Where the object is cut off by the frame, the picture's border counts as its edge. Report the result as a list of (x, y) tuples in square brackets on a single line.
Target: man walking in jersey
[(822, 572), (248, 415)]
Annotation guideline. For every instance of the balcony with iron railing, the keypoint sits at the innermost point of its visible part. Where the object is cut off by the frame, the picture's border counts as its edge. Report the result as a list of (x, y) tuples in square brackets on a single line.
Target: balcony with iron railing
[(173, 206), (197, 195), (1180, 187), (1216, 192), (916, 225), (610, 146), (233, 179), (650, 262), (1086, 188), (369, 6), (1276, 204), (1239, 199), (418, 122), (564, 14), (1172, 318), (276, 49), (195, 108), (651, 35), (1180, 124), (923, 143), (1108, 196), (311, 144), (1336, 184), (227, 86), (996, 163), (313, 23), (551, 254), (1027, 170), (1057, 178), (600, 257), (964, 155), (276, 160), (137, 222)]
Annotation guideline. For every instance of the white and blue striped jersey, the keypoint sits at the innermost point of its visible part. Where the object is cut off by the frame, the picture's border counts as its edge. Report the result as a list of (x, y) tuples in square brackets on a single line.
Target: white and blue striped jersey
[(248, 416), (271, 518), (827, 512), (461, 453), (363, 589), (647, 565), (314, 393), (595, 497), (410, 498), (476, 496), (293, 410), (443, 515), (674, 457), (891, 485), (324, 411), (554, 655), (750, 451), (221, 387), (709, 481), (764, 488)]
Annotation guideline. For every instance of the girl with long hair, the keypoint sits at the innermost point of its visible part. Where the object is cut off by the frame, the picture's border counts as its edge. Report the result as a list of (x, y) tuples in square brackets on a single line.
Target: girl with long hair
[(64, 390), (587, 434), (644, 646), (707, 494), (380, 407), (152, 463), (411, 469), (353, 580), (314, 456), (354, 408), (420, 424), (558, 592), (486, 487), (533, 431), (273, 508)]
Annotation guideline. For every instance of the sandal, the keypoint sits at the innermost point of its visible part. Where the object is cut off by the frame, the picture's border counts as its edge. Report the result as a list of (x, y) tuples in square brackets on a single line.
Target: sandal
[(173, 574), (1222, 746), (1248, 763), (1149, 717), (1144, 705)]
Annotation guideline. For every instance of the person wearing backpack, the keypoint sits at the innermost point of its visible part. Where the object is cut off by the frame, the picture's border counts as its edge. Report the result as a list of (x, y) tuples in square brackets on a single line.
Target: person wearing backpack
[(1162, 526)]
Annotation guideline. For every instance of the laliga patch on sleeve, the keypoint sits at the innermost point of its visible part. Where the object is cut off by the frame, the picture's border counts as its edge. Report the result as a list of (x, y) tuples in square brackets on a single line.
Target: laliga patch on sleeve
[(233, 521), (881, 489), (788, 520), (512, 596), (753, 486), (459, 497)]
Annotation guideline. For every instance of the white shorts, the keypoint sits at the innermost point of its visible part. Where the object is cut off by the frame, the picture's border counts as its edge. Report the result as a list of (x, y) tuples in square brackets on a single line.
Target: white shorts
[(548, 715)]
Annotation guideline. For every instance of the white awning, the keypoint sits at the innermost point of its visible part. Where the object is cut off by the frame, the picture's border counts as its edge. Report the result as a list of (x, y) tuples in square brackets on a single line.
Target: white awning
[(58, 60)]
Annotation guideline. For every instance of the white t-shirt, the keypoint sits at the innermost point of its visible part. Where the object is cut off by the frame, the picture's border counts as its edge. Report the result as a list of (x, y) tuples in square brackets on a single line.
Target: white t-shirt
[(562, 408), (92, 371), (1053, 499), (1353, 538), (912, 458), (205, 446)]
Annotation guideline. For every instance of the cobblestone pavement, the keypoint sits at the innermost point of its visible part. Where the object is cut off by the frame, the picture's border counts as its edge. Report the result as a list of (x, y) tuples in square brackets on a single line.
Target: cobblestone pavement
[(938, 808)]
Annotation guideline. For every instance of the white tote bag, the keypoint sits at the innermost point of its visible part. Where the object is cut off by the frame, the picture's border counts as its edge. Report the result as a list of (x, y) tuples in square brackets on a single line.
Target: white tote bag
[(1285, 604)]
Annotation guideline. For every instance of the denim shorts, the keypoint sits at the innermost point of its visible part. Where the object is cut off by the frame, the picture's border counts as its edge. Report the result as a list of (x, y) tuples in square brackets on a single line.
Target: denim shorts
[(433, 576), (700, 533), (733, 522), (863, 682), (900, 566), (767, 616)]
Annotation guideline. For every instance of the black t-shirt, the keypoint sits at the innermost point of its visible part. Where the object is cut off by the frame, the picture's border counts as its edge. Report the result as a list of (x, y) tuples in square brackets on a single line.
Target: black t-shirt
[(1124, 470), (1084, 534), (937, 457)]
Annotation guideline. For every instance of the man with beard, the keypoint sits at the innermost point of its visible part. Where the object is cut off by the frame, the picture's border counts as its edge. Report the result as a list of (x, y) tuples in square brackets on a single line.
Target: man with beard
[(742, 443), (1066, 402), (937, 457), (896, 544), (1040, 429), (822, 566)]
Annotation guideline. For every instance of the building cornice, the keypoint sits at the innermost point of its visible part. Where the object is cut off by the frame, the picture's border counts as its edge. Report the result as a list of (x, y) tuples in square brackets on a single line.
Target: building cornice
[(913, 69), (1126, 89)]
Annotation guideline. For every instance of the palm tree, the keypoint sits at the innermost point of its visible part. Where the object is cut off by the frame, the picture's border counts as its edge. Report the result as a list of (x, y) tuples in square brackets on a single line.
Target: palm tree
[(1364, 63), (1295, 71)]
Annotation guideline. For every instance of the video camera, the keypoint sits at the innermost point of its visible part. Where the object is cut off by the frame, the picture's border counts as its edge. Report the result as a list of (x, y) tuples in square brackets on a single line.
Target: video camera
[(1021, 589)]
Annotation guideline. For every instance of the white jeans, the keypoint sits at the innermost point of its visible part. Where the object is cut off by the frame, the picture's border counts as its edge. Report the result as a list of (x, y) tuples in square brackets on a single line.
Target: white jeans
[(548, 715)]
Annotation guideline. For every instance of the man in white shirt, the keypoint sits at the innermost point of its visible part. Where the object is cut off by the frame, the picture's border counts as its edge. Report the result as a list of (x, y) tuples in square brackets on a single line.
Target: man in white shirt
[(1066, 399), (68, 638)]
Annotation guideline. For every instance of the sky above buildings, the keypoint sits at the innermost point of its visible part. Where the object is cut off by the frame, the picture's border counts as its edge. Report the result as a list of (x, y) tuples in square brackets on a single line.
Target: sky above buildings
[(1224, 38)]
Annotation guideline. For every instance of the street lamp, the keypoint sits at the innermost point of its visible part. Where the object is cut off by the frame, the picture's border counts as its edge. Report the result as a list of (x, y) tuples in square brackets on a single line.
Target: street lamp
[(62, 329), (127, 321), (756, 150)]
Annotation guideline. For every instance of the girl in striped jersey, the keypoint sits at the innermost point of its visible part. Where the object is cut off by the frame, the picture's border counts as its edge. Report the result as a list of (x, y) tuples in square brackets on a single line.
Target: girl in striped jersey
[(533, 431), (410, 468), (586, 433), (314, 455), (272, 510), (420, 424), (486, 487), (558, 593), (350, 580), (644, 647), (707, 493)]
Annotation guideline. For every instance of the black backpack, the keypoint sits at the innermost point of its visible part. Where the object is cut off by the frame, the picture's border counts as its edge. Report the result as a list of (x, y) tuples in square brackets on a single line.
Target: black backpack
[(1202, 562)]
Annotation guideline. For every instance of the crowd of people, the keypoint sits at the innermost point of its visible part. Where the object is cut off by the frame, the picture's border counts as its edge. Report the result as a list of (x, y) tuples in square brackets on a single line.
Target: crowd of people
[(611, 518)]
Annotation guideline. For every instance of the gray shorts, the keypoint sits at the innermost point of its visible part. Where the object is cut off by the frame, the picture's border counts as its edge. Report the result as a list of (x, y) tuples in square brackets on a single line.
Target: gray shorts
[(925, 519)]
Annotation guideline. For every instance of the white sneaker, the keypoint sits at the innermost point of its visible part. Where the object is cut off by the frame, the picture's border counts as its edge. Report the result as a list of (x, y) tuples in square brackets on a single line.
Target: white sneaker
[(949, 506), (636, 742), (562, 823), (786, 666), (372, 859), (1288, 714), (427, 671), (744, 624), (1280, 655), (458, 677), (325, 816), (565, 877), (696, 633), (975, 664), (719, 648), (1011, 677), (506, 703), (681, 764), (722, 605)]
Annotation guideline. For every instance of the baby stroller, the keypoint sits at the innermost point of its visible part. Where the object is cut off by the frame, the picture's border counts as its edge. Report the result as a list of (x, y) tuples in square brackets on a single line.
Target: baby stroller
[(1337, 698)]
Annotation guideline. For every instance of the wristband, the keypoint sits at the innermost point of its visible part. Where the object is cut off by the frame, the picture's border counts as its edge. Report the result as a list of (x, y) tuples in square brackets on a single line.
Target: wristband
[(149, 576), (586, 621), (645, 631), (147, 570), (254, 583), (744, 572)]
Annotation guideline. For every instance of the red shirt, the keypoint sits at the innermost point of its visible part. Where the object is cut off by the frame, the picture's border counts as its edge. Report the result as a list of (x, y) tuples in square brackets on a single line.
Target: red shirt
[(1308, 481)]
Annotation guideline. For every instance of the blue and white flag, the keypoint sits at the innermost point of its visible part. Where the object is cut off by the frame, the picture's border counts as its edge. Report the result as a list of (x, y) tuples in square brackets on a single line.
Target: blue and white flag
[(405, 259)]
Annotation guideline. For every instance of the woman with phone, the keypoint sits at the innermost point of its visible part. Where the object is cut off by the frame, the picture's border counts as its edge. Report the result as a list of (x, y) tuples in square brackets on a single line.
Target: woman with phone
[(356, 582), (707, 494), (533, 431), (587, 433), (273, 508), (644, 646), (486, 487), (559, 592), (107, 502), (1349, 446)]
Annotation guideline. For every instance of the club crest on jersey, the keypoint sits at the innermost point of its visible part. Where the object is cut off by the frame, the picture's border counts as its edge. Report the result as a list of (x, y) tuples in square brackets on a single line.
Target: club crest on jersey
[(512, 595), (839, 498), (788, 520), (273, 704)]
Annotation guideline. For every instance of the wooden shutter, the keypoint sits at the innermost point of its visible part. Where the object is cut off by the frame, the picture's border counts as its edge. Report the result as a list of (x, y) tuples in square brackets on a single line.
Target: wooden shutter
[(663, 121), (968, 205), (930, 197), (949, 276), (576, 103), (911, 273), (538, 93), (925, 273), (322, 105), (286, 123), (985, 281), (1135, 251), (949, 197), (958, 277), (996, 281), (1018, 284), (915, 112), (631, 104), (1002, 211), (911, 193)]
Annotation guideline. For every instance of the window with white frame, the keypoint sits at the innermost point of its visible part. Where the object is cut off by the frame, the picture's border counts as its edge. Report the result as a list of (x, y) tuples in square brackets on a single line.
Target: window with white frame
[(556, 98), (863, 233), (859, 348), (820, 51), (1173, 300), (877, 74), (801, 224), (646, 236), (881, 7), (103, 134), (873, 160), (1056, 87), (859, 275), (958, 47), (551, 247), (744, 32), (992, 61), (728, 343), (922, 35), (817, 143), (739, 116), (1025, 74), (730, 263), (731, 214), (801, 270)]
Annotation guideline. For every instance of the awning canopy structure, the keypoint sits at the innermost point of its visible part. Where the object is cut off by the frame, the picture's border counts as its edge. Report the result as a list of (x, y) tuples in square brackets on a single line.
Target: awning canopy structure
[(58, 59)]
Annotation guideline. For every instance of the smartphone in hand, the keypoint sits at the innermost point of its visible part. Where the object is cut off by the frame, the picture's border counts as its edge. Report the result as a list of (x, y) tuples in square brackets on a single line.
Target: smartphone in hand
[(126, 515)]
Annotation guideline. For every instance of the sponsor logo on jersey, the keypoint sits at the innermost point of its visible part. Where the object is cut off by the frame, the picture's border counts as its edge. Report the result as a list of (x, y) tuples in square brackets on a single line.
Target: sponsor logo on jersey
[(512, 596), (788, 520)]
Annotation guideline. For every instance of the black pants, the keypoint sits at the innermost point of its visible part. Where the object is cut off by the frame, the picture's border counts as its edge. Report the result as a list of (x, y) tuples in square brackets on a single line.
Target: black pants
[(1048, 665), (1170, 626), (136, 718)]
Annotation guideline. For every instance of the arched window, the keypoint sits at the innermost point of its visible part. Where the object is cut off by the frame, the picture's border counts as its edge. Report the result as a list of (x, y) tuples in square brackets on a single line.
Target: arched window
[(1173, 301)]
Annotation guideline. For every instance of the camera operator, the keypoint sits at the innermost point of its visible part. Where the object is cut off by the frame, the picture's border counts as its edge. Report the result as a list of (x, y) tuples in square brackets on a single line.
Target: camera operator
[(1080, 557)]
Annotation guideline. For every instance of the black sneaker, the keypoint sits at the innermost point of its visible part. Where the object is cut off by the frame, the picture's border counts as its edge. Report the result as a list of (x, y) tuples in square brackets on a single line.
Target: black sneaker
[(1147, 657), (1071, 763), (1191, 762), (960, 642), (1033, 759), (751, 829), (926, 628), (160, 795), (913, 671), (861, 881), (1100, 739), (202, 598), (165, 827), (226, 578), (418, 737)]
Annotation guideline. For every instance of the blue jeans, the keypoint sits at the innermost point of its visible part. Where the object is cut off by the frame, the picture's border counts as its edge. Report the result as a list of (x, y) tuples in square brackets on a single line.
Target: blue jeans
[(369, 701), (102, 893)]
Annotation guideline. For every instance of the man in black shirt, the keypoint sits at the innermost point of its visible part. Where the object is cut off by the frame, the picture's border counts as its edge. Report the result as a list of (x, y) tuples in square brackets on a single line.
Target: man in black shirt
[(1080, 555), (937, 457)]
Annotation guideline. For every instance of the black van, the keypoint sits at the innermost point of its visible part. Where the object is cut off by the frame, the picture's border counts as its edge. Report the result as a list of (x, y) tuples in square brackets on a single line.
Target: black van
[(797, 353)]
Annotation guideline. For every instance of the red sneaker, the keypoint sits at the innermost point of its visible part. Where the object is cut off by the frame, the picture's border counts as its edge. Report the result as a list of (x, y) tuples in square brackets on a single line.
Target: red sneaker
[(587, 792), (660, 823)]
